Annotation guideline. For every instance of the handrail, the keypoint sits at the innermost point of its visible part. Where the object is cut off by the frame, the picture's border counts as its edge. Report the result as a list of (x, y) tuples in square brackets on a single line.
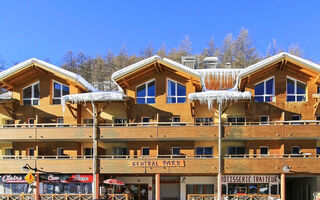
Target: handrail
[(253, 156), (251, 196), (157, 124), (201, 197)]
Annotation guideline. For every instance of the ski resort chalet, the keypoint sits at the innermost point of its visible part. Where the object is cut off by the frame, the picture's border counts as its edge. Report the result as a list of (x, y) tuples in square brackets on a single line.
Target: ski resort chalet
[(170, 132)]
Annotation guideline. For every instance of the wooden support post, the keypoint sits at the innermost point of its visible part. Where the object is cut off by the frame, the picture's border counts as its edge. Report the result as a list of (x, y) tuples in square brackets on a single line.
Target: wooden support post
[(37, 192), (97, 175), (157, 186), (95, 153), (283, 186)]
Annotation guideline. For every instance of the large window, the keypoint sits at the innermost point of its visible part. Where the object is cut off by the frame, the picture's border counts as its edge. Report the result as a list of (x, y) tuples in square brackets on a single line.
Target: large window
[(176, 92), (59, 90), (146, 93), (204, 151), (296, 90), (236, 151), (236, 120), (200, 189), (31, 94), (264, 91)]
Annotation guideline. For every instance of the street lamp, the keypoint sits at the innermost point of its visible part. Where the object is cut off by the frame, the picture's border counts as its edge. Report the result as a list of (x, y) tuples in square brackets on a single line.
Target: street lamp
[(27, 167), (286, 169)]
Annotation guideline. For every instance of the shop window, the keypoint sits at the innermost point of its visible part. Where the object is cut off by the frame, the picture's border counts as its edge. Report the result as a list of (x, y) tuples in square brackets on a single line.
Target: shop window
[(60, 152), (175, 150), (274, 189), (200, 189), (264, 91), (264, 119), (16, 188), (146, 93), (241, 151), (204, 121), (31, 94), (253, 189), (59, 90), (296, 90), (176, 92), (31, 151), (204, 152), (263, 188), (295, 150), (145, 151), (88, 121), (65, 188), (264, 150), (236, 120)]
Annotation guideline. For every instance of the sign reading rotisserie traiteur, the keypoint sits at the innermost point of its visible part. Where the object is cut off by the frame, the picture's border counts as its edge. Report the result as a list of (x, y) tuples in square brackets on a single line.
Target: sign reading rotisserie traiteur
[(157, 163)]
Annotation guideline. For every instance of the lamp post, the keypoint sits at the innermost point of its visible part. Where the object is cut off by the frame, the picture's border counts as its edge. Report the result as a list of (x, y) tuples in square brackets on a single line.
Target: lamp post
[(27, 167), (285, 169)]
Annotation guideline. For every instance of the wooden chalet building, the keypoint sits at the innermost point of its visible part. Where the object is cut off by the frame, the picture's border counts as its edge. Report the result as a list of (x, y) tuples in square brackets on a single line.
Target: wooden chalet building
[(171, 132)]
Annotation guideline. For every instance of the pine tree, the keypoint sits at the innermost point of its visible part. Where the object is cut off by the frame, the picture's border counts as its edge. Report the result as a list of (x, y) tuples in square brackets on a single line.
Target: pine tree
[(273, 49), (227, 51), (70, 62)]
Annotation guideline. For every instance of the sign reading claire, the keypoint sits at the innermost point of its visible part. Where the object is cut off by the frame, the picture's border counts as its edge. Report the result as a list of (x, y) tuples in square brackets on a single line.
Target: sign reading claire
[(249, 179), (157, 163)]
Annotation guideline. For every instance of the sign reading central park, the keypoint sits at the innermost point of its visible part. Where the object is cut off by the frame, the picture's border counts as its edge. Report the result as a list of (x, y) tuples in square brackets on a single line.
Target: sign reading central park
[(157, 163)]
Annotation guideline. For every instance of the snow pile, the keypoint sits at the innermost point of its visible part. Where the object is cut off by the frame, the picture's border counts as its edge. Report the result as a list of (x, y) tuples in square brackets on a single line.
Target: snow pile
[(209, 97), (222, 76), (6, 96)]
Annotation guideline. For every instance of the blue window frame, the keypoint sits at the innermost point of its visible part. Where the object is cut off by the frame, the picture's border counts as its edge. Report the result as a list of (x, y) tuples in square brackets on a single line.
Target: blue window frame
[(146, 93), (176, 92), (264, 91), (296, 90)]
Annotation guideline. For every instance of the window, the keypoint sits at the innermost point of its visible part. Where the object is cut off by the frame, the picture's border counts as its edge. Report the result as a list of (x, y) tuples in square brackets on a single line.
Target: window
[(200, 189), (9, 121), (31, 94), (146, 93), (176, 92), (88, 151), (264, 119), (264, 150), (87, 121), (8, 152), (236, 150), (295, 117), (204, 121), (296, 90), (295, 150), (318, 117), (145, 151), (175, 120), (31, 120), (60, 120), (121, 152), (264, 91), (318, 150), (175, 150), (236, 120), (59, 90), (119, 121), (204, 152), (31, 151), (60, 151), (145, 121)]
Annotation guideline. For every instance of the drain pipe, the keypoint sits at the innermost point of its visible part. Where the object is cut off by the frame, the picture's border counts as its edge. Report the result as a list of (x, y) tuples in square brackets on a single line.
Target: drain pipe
[(94, 145), (219, 147)]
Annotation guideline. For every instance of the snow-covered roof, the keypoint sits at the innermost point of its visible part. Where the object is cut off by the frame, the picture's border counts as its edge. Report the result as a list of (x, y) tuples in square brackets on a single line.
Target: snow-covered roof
[(210, 59), (272, 59), (94, 96), (73, 76), (6, 96), (218, 96), (142, 63)]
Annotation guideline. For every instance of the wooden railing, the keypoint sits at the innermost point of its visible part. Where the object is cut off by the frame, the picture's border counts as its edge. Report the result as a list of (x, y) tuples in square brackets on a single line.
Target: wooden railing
[(201, 197), (17, 196), (252, 156), (115, 197), (66, 197), (250, 197)]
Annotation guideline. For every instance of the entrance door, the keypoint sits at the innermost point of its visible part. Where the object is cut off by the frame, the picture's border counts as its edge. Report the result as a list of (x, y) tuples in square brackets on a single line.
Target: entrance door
[(139, 191)]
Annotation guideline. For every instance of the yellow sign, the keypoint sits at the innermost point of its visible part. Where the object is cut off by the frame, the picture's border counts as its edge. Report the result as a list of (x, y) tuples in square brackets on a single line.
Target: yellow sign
[(29, 178), (158, 163)]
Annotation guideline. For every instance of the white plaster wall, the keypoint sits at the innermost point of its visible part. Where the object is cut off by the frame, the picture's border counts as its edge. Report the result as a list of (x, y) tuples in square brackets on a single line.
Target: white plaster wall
[(139, 180), (184, 180)]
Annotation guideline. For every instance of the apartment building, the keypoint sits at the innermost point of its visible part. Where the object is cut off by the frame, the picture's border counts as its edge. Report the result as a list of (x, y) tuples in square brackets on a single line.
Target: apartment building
[(170, 132)]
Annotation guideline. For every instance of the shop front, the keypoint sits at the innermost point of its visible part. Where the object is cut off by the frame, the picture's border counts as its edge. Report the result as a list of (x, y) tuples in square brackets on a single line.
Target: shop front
[(250, 185), (15, 184), (66, 183)]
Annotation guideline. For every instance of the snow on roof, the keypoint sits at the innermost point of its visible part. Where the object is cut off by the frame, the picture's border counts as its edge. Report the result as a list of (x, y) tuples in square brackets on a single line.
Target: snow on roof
[(270, 60), (94, 96), (210, 59), (181, 67), (6, 96), (219, 96), (71, 75)]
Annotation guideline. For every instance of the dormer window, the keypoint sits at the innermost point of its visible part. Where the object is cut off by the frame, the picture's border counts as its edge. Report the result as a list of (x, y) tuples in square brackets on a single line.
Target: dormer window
[(264, 91), (176, 92), (59, 90), (31, 94), (146, 93), (296, 90)]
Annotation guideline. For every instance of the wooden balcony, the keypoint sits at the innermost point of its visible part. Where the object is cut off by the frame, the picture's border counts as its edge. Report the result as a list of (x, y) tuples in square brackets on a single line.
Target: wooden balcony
[(13, 165), (149, 165), (271, 164), (273, 130)]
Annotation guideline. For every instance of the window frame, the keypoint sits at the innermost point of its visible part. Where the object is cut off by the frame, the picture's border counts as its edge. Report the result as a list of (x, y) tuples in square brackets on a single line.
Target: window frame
[(147, 95), (175, 148), (264, 147), (32, 94), (142, 148), (264, 95), (203, 155), (61, 92), (176, 91), (236, 123), (295, 95), (295, 147), (264, 122)]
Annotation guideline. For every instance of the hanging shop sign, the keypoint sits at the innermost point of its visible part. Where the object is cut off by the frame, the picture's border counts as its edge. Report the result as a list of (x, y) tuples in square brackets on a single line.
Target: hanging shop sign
[(81, 178), (10, 178), (249, 179), (29, 178), (158, 163)]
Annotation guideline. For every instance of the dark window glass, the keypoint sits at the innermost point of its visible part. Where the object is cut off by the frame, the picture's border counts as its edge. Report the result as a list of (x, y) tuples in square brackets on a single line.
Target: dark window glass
[(151, 88), (65, 90), (57, 90), (146, 93), (181, 90), (290, 86), (175, 150), (208, 151), (171, 88), (295, 117), (88, 151), (301, 88), (141, 100), (31, 152), (274, 189), (60, 151), (145, 151), (264, 119), (181, 100), (269, 87), (290, 98), (318, 150), (264, 150), (27, 102), (27, 92), (56, 101), (258, 99), (296, 150), (141, 91), (151, 100), (259, 89), (199, 151), (145, 119), (263, 188), (253, 189)]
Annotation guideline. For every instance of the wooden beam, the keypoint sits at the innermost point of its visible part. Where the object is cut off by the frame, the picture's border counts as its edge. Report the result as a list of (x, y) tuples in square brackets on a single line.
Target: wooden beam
[(316, 79), (41, 71), (156, 67), (125, 82), (10, 111), (102, 109), (72, 110), (7, 84), (159, 66)]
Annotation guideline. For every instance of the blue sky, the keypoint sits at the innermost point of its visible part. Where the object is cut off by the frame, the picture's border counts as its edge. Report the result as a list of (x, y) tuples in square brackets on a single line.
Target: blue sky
[(48, 29)]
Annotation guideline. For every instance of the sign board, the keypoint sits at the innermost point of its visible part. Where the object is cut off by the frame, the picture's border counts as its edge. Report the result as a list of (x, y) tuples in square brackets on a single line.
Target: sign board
[(29, 178), (64, 178), (249, 179), (10, 178), (157, 163)]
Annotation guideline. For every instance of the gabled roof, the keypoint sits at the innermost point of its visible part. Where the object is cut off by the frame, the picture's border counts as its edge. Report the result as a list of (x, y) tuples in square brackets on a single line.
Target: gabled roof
[(49, 67), (266, 62)]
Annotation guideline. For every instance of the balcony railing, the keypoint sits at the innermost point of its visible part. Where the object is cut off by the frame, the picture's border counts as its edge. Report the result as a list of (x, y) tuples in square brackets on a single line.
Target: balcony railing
[(66, 197), (17, 196), (201, 197), (250, 197)]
